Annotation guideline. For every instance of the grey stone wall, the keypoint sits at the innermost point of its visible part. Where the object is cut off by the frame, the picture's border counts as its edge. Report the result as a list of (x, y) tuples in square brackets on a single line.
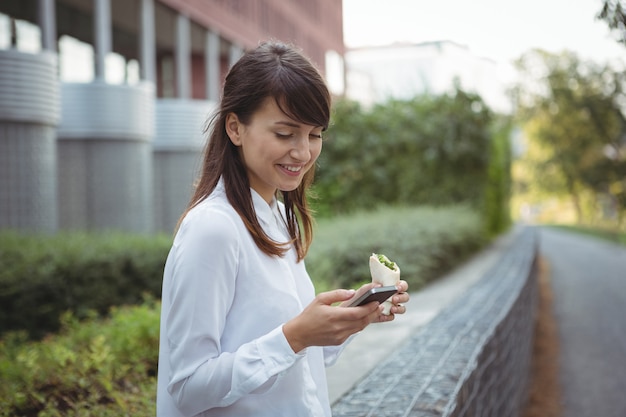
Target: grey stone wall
[(29, 113), (472, 360)]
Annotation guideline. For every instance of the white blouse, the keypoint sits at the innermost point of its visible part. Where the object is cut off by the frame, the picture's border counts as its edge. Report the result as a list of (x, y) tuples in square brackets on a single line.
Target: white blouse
[(222, 349)]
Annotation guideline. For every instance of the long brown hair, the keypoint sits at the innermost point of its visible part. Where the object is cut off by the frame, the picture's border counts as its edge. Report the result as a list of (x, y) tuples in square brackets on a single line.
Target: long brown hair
[(275, 70)]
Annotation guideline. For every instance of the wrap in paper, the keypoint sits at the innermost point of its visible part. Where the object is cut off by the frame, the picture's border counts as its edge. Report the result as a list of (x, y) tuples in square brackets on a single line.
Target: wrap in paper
[(383, 275)]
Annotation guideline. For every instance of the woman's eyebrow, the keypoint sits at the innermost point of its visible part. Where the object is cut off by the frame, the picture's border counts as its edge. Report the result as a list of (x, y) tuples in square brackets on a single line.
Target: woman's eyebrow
[(287, 123), (292, 124)]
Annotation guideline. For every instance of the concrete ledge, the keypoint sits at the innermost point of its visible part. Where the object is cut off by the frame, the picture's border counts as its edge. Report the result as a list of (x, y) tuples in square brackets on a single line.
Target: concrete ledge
[(98, 110), (473, 358), (29, 87), (180, 124)]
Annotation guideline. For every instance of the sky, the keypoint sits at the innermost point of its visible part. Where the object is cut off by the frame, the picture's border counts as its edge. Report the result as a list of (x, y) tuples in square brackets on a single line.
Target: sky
[(501, 30)]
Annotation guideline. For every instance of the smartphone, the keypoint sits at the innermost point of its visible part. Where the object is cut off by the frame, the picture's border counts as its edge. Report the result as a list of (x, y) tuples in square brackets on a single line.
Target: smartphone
[(379, 294)]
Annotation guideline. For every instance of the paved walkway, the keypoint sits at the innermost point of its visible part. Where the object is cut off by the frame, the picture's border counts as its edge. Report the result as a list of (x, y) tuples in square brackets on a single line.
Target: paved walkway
[(588, 277), (380, 340)]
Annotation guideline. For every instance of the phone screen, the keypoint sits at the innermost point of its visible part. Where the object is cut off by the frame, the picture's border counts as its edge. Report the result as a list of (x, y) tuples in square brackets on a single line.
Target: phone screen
[(379, 294)]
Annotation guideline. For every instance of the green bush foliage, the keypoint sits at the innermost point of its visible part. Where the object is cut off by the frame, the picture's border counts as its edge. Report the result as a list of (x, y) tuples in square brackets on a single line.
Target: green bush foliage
[(425, 242), (431, 150), (92, 368), (497, 210), (42, 276)]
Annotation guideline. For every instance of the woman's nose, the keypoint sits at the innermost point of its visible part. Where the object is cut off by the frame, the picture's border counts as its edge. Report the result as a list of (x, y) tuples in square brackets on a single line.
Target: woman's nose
[(300, 148)]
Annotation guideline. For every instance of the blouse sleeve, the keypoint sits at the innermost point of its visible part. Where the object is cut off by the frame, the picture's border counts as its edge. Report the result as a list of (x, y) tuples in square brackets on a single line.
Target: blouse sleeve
[(332, 353), (200, 284)]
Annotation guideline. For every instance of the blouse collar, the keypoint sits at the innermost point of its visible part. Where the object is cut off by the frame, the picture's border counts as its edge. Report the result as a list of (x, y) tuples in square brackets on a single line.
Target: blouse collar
[(269, 215), (265, 212)]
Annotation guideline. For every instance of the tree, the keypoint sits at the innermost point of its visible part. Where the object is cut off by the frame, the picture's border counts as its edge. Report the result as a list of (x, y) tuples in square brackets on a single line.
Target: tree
[(571, 114), (613, 12), (427, 150)]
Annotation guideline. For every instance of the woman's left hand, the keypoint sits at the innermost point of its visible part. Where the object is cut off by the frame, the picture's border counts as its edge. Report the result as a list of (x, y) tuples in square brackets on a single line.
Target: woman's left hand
[(398, 301)]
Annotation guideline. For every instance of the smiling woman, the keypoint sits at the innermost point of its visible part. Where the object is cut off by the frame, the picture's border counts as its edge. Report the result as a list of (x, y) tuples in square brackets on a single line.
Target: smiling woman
[(276, 82), (242, 332)]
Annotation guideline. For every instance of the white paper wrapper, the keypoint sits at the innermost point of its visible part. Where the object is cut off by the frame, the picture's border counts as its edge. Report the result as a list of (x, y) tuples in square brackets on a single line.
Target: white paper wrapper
[(384, 276)]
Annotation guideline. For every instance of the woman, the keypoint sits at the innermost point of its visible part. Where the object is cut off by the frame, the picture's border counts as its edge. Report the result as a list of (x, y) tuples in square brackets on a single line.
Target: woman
[(242, 332)]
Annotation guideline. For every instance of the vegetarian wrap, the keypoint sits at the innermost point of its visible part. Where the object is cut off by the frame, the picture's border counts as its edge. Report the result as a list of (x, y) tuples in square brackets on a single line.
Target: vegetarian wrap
[(384, 272)]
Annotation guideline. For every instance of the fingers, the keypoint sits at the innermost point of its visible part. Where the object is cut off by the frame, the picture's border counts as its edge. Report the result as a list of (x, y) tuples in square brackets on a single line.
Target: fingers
[(398, 301), (359, 292), (398, 309), (379, 317), (335, 296), (403, 286), (400, 298)]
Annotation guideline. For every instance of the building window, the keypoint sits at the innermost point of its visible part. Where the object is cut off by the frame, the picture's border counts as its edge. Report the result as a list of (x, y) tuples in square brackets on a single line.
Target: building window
[(27, 36)]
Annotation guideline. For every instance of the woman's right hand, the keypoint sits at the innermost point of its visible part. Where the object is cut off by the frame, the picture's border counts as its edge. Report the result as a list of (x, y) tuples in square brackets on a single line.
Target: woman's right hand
[(322, 324)]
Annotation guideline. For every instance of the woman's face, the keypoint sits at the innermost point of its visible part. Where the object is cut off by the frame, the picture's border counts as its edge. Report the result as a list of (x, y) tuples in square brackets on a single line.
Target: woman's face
[(276, 150)]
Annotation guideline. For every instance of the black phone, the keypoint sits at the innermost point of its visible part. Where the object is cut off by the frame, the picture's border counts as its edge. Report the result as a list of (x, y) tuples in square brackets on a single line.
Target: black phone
[(379, 294)]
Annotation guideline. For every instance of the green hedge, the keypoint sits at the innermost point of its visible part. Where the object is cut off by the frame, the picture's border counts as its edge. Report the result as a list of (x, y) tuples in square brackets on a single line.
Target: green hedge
[(424, 241), (45, 275)]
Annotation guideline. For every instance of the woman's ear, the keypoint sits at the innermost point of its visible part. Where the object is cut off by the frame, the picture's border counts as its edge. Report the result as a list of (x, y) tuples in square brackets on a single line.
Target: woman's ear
[(233, 128)]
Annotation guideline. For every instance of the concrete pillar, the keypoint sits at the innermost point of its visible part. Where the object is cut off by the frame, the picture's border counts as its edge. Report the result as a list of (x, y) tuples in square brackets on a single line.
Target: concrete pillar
[(234, 55), (147, 41), (105, 157), (47, 23), (102, 35), (212, 65), (29, 114), (178, 145), (183, 57)]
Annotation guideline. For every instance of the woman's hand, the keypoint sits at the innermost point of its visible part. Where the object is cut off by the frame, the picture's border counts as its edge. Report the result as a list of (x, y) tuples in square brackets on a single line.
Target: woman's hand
[(398, 301), (322, 324)]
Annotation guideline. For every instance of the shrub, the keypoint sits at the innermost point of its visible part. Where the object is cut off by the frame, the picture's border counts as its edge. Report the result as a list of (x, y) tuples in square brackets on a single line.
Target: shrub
[(496, 207), (425, 242), (91, 368), (427, 150), (42, 276)]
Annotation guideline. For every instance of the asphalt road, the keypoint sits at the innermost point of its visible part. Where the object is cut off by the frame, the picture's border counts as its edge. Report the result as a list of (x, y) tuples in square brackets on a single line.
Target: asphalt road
[(588, 278)]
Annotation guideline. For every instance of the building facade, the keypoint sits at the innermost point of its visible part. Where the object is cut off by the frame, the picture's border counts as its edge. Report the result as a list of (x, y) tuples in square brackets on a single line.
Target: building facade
[(402, 71), (103, 103)]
